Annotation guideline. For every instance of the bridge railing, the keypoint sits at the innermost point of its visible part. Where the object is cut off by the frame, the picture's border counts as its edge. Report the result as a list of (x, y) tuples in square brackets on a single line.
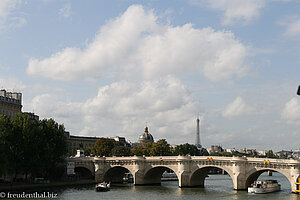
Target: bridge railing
[(192, 158)]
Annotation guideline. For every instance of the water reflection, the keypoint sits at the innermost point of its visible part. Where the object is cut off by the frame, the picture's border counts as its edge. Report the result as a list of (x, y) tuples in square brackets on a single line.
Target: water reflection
[(178, 192), (216, 187)]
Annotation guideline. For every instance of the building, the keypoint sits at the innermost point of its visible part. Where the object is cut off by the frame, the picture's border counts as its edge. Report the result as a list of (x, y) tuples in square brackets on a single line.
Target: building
[(215, 149), (32, 116), (10, 103), (79, 142), (262, 153), (75, 143), (145, 137), (122, 140), (296, 154), (285, 154), (248, 152)]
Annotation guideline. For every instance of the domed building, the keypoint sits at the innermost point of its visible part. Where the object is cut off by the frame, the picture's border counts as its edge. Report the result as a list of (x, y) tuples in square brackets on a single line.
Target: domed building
[(145, 137)]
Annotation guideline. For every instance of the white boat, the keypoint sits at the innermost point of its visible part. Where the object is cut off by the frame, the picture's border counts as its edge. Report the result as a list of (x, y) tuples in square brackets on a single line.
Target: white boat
[(102, 187), (128, 178), (265, 186), (166, 176)]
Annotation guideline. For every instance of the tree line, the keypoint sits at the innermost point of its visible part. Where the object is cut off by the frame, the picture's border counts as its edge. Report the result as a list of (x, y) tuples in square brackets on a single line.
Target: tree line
[(31, 147), (109, 147)]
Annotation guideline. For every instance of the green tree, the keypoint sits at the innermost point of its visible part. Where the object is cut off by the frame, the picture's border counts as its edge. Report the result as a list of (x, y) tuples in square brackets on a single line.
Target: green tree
[(103, 147), (29, 146), (27, 135), (5, 130), (270, 154), (226, 154), (143, 149), (121, 150), (14, 142), (186, 149), (87, 151), (54, 145), (161, 148)]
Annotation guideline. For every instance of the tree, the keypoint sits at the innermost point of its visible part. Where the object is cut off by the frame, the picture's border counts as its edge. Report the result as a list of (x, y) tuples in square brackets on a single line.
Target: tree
[(55, 146), (30, 146), (161, 148), (103, 147), (87, 151), (5, 129), (121, 150), (226, 154), (143, 149), (26, 135), (270, 154), (186, 149)]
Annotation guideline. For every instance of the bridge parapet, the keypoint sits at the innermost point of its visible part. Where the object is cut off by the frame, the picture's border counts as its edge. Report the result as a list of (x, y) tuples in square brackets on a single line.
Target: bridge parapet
[(189, 169)]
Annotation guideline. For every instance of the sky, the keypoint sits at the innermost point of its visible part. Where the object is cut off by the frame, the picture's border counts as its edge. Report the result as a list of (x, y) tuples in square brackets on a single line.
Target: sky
[(108, 68)]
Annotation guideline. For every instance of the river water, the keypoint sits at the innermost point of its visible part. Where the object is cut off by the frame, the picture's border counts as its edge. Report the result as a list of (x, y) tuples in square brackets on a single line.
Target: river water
[(216, 187)]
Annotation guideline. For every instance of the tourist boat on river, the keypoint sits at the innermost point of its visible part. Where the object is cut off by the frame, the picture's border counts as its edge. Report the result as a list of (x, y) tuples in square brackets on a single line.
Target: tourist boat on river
[(128, 178), (102, 187), (264, 186)]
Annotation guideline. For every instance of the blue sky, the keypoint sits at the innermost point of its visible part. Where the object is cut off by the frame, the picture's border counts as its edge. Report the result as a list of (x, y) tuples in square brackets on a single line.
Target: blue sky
[(105, 68)]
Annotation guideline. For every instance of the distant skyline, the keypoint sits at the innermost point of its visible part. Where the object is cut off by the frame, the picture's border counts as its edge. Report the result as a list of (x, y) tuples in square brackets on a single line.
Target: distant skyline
[(105, 68)]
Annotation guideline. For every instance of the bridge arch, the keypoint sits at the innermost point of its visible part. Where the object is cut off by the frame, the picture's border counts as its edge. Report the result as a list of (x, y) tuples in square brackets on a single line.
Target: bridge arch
[(116, 174), (84, 172), (255, 173), (153, 175), (87, 165), (198, 175)]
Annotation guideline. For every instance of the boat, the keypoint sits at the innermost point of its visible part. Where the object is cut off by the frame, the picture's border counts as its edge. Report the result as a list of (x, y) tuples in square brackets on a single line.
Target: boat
[(264, 186), (102, 187), (128, 178), (169, 176)]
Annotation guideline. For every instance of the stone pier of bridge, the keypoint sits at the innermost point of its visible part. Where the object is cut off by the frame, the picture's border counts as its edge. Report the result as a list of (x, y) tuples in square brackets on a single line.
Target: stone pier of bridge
[(190, 170)]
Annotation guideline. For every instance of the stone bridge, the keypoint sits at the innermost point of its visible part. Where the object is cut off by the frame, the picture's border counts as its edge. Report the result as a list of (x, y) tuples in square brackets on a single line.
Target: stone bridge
[(190, 170)]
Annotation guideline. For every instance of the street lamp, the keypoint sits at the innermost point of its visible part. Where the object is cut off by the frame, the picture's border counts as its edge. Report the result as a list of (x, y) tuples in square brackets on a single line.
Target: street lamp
[(298, 92)]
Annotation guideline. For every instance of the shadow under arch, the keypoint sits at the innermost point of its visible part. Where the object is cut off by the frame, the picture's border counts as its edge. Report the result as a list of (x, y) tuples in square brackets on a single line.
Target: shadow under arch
[(254, 175), (154, 175), (117, 175), (83, 173), (198, 176)]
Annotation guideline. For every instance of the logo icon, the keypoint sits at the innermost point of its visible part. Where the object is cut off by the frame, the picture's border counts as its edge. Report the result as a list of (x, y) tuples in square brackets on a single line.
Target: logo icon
[(2, 195)]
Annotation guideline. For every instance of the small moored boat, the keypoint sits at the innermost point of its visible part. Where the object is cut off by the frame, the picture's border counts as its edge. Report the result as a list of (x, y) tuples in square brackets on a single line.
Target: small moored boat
[(128, 178), (102, 187), (265, 186)]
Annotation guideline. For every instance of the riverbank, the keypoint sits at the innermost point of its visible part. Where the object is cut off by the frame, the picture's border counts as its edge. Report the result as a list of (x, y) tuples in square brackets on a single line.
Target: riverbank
[(31, 186)]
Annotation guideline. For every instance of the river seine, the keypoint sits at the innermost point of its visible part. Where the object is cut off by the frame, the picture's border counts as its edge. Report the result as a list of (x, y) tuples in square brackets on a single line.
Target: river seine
[(216, 187)]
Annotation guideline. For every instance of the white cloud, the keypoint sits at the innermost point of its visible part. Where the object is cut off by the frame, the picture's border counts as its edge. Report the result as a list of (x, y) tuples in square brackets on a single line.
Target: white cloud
[(122, 108), (165, 103), (7, 18), (4, 68), (291, 112), (6, 6), (292, 25), (11, 84), (49, 105), (235, 11), (44, 105), (65, 11), (17, 22), (237, 108), (136, 43)]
